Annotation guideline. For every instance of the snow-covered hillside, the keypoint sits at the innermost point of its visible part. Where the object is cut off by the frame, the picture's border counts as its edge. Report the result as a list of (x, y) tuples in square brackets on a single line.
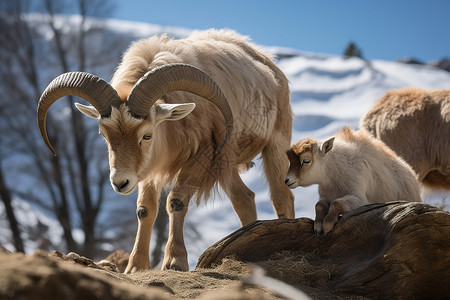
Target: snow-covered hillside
[(327, 92), (38, 230)]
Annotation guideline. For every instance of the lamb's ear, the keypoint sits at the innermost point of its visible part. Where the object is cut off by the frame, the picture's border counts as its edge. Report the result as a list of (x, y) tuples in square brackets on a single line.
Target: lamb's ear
[(173, 112), (88, 110), (326, 146)]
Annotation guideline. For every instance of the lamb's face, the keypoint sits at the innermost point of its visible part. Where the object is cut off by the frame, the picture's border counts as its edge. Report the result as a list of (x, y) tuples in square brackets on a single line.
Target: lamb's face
[(306, 158), (302, 170)]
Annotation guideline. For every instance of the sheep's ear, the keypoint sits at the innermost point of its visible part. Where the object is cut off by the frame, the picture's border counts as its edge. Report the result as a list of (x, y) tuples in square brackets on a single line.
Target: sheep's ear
[(326, 146), (88, 110), (173, 112)]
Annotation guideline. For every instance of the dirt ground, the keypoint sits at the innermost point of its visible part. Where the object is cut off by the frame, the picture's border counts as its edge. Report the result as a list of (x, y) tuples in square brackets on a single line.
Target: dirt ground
[(46, 275)]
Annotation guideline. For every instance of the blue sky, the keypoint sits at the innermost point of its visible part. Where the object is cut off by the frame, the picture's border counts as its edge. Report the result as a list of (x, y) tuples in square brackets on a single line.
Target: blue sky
[(383, 29)]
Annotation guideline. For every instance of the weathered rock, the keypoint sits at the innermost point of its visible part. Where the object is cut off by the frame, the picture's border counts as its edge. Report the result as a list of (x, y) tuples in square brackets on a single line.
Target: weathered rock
[(443, 64), (397, 250), (44, 277), (81, 260), (119, 258)]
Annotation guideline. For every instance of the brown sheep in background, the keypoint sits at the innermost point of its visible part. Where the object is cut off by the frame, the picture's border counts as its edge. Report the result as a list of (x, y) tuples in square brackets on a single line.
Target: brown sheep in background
[(415, 123)]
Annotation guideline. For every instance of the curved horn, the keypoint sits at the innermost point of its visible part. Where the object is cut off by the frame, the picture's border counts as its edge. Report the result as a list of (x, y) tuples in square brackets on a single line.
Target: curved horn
[(93, 89), (177, 77)]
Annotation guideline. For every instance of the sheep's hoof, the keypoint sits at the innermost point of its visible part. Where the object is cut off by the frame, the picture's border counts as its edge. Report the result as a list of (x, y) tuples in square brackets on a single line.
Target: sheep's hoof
[(137, 263), (318, 228), (134, 269), (176, 265), (327, 227)]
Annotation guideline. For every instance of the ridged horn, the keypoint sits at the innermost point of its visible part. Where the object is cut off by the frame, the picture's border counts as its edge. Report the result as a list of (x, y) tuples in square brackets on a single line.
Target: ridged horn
[(177, 77), (92, 88)]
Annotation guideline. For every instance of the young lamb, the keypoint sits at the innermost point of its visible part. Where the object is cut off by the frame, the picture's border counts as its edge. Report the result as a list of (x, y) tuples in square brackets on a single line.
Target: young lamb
[(352, 169), (415, 123)]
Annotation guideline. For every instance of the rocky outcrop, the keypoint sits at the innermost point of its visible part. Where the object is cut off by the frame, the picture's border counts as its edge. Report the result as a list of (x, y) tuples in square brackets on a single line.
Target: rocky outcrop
[(396, 250)]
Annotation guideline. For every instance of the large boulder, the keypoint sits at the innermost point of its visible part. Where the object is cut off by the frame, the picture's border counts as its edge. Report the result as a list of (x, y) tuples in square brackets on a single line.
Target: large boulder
[(396, 250)]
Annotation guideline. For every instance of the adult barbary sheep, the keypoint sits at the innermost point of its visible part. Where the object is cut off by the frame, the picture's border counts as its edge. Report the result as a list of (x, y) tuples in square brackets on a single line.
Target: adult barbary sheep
[(248, 108), (352, 169), (415, 123)]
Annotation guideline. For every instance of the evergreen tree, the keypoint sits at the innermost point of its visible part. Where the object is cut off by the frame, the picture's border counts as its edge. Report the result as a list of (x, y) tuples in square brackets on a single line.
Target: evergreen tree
[(352, 51)]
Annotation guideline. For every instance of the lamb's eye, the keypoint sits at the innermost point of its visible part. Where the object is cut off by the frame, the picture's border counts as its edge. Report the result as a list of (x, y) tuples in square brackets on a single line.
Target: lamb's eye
[(306, 161), (147, 137)]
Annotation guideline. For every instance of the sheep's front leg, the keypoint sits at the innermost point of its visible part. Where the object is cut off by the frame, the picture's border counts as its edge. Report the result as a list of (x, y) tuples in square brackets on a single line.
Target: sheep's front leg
[(175, 255), (338, 207), (147, 208), (321, 211)]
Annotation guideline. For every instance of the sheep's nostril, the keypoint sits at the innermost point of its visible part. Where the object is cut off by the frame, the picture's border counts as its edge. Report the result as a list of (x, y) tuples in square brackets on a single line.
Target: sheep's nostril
[(124, 184), (286, 181), (121, 185)]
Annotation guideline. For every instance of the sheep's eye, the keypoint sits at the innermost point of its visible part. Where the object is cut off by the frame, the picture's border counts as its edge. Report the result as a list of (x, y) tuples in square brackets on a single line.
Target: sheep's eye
[(147, 137), (306, 161)]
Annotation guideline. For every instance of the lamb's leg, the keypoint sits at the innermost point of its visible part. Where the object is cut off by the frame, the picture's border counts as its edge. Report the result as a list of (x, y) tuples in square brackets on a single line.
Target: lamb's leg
[(175, 255), (338, 207), (242, 198), (321, 211), (147, 208), (276, 165)]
